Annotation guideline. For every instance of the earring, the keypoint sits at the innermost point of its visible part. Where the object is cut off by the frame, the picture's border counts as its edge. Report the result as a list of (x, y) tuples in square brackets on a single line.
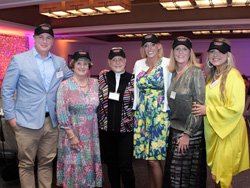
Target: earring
[(210, 65), (228, 60)]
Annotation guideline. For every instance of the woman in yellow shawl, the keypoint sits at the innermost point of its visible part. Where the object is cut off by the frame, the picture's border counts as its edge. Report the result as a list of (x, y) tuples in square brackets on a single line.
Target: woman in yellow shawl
[(225, 128)]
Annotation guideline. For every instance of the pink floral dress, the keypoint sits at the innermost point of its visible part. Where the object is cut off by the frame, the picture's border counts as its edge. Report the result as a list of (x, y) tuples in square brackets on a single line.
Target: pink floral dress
[(76, 110)]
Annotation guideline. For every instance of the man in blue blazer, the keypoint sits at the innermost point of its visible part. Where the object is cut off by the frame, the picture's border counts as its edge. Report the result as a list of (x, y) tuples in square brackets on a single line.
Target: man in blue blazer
[(33, 77)]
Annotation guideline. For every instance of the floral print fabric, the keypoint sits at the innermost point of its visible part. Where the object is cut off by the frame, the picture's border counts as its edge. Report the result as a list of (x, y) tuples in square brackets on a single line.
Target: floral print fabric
[(77, 111), (151, 123)]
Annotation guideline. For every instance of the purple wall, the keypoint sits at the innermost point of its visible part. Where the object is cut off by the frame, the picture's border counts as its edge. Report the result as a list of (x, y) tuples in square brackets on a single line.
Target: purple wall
[(99, 52)]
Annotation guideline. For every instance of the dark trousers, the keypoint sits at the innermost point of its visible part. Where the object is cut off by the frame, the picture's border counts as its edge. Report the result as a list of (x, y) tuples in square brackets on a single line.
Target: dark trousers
[(117, 153)]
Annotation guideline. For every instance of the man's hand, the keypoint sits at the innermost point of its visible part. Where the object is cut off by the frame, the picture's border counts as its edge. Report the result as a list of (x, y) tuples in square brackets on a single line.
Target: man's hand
[(12, 122)]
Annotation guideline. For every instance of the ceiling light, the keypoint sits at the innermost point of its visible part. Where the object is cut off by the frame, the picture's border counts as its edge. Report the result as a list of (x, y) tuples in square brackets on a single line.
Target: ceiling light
[(246, 31), (238, 31), (211, 3), (80, 7), (132, 35), (176, 4), (190, 4), (129, 35), (205, 32), (165, 34), (225, 32), (216, 32), (240, 2), (54, 10), (196, 32), (73, 8)]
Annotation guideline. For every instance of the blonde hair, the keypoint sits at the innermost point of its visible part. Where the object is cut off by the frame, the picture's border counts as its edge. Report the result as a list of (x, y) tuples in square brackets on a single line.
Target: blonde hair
[(173, 64), (160, 51), (227, 66)]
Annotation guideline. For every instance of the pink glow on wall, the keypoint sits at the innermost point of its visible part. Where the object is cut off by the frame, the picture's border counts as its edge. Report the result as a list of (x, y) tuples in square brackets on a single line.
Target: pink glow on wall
[(14, 31), (10, 45), (31, 40)]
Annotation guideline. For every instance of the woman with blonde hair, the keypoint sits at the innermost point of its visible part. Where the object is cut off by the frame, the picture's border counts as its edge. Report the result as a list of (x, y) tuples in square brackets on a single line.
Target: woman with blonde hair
[(150, 104), (225, 129), (186, 157)]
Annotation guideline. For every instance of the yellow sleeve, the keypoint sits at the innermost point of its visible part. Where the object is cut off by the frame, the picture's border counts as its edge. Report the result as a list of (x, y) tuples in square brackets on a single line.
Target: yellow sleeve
[(224, 117)]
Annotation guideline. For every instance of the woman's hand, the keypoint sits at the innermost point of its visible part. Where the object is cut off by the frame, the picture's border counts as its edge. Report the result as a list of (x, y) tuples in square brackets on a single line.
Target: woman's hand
[(103, 71), (74, 143), (183, 143), (198, 109)]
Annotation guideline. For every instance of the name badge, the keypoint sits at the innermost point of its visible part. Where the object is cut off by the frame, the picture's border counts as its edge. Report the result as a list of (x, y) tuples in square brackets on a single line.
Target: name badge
[(59, 74), (114, 96), (214, 83), (172, 95)]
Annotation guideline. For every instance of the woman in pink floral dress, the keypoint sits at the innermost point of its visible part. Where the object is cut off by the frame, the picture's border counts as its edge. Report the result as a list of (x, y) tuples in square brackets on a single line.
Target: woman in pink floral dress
[(79, 163)]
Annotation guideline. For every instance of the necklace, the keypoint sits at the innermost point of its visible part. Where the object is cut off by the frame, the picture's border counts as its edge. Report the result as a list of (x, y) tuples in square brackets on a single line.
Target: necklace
[(224, 70), (217, 74), (81, 85), (182, 70)]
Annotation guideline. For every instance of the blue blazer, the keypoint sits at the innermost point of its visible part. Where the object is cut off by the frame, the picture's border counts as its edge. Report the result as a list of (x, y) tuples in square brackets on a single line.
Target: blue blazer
[(23, 78)]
